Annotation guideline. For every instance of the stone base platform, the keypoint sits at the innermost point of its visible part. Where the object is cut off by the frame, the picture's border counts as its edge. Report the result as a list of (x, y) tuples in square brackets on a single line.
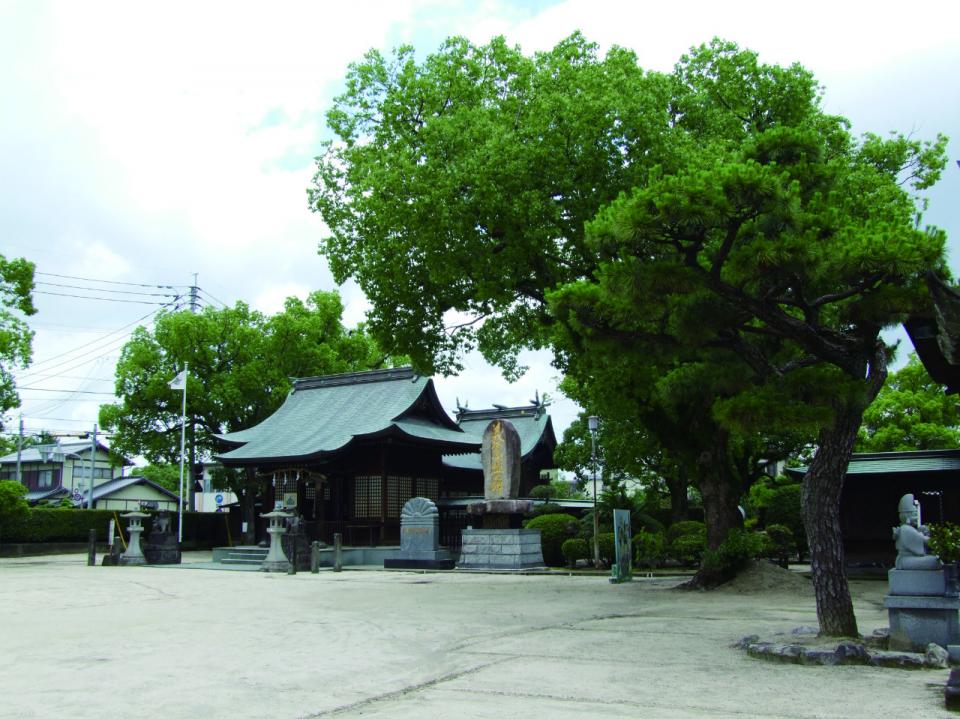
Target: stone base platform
[(916, 621), (504, 549)]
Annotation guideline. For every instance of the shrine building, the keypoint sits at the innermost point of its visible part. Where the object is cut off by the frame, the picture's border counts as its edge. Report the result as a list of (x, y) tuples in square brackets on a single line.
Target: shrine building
[(345, 452)]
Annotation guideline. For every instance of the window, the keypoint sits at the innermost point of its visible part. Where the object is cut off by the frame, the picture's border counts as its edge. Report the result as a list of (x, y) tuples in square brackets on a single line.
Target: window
[(45, 479), (399, 490), (428, 487), (366, 497)]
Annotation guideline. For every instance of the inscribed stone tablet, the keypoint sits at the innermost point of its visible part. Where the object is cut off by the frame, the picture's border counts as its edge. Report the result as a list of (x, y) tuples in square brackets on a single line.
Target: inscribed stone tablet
[(500, 454)]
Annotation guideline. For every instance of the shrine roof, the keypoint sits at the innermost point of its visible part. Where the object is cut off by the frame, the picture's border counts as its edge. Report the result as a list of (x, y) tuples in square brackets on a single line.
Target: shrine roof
[(932, 460), (532, 423), (323, 415)]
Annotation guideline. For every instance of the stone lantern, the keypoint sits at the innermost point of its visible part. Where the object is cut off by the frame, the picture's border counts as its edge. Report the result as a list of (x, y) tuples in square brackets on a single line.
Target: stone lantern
[(134, 555), (276, 560)]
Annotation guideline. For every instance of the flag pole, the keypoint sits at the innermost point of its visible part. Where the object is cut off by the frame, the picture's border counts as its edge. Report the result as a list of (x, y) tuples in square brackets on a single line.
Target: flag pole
[(183, 437)]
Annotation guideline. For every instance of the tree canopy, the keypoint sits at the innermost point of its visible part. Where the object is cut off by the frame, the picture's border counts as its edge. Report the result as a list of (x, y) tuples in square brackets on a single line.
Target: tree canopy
[(457, 189), (709, 244), (16, 301), (911, 412), (241, 363)]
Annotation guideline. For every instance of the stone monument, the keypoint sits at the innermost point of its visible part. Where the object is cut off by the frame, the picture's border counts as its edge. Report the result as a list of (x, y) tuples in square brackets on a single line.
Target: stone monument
[(500, 543), (419, 538), (276, 560), (161, 545), (918, 610), (134, 555)]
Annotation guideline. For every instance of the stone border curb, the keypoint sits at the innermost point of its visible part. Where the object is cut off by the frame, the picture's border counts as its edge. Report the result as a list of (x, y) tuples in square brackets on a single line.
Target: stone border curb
[(848, 652)]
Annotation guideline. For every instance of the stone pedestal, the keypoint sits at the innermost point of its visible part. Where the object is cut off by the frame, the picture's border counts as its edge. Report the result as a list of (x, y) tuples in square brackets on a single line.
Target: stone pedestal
[(161, 546), (419, 538), (919, 612), (503, 549), (134, 555), (916, 621), (276, 560)]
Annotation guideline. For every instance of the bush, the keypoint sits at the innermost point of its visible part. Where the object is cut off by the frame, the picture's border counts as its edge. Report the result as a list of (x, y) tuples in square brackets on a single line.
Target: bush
[(733, 554), (546, 508), (642, 521), (780, 544), (608, 547), (555, 529), (649, 549), (686, 542), (575, 549), (56, 524), (783, 507)]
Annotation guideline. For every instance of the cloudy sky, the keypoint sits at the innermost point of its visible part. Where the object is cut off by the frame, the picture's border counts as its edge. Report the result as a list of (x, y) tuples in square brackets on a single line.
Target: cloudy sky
[(146, 142)]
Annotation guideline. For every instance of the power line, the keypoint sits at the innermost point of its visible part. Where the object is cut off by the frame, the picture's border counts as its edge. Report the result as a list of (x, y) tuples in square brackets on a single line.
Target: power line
[(94, 341), (111, 282), (224, 304), (104, 289), (102, 299), (67, 391)]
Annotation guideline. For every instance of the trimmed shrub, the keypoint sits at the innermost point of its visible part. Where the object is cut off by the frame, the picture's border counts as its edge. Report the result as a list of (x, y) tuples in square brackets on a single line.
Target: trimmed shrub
[(649, 549), (686, 542), (783, 507), (733, 554), (55, 524), (555, 529), (780, 544), (546, 508), (608, 547), (575, 549), (643, 521)]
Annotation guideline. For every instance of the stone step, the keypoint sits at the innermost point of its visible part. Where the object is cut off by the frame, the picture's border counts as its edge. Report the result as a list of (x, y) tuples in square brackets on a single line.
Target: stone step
[(240, 555), (241, 560)]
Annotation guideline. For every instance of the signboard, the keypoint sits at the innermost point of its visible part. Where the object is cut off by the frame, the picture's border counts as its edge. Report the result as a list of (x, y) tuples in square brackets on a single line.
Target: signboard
[(218, 499), (290, 500), (622, 570)]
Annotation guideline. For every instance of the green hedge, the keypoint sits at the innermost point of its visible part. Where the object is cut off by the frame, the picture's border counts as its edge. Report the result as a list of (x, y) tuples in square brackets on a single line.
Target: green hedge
[(574, 550), (57, 524), (555, 529)]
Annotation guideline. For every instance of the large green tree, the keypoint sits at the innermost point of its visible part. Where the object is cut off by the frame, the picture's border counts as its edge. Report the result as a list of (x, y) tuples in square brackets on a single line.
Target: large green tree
[(240, 367), (911, 412), (457, 189), (16, 301), (771, 245), (785, 242)]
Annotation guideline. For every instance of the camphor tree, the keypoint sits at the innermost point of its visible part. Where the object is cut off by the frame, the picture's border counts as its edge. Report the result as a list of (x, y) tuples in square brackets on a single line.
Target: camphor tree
[(240, 362), (16, 301), (767, 241), (911, 412)]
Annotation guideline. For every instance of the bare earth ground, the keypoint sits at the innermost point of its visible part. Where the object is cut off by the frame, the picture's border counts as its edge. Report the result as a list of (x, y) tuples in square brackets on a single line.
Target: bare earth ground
[(78, 641)]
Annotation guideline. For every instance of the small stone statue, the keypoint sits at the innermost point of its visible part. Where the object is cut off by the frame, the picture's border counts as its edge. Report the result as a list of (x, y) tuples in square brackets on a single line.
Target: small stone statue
[(911, 539)]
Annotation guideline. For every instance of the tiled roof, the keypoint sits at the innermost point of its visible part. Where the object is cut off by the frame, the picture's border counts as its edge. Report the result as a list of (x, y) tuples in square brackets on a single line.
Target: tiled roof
[(33, 453), (325, 414), (532, 424), (934, 460)]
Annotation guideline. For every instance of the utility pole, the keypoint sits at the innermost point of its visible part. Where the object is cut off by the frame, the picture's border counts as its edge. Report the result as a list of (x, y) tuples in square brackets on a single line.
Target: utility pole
[(93, 455), (194, 298), (20, 450)]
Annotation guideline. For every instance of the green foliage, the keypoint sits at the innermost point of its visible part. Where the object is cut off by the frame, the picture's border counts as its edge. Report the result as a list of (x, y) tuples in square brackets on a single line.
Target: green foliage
[(57, 524), (555, 529), (608, 547), (945, 542), (911, 412), (780, 543), (783, 507), (575, 549), (733, 554), (240, 365), (464, 181), (166, 475), (649, 549), (686, 542), (13, 506), (543, 491), (16, 302), (546, 508)]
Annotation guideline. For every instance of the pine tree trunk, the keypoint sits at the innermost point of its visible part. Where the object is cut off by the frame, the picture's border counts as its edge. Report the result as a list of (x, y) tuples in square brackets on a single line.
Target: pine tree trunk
[(820, 499), (677, 485)]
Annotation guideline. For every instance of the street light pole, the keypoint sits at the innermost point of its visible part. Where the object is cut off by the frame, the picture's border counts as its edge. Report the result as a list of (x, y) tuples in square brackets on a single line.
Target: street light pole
[(593, 422)]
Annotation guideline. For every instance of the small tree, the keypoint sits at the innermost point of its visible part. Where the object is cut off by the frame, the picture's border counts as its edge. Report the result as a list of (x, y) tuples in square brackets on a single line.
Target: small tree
[(12, 503)]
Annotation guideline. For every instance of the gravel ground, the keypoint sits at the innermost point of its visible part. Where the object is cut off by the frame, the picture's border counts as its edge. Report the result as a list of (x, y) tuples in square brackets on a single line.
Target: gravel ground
[(77, 641)]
